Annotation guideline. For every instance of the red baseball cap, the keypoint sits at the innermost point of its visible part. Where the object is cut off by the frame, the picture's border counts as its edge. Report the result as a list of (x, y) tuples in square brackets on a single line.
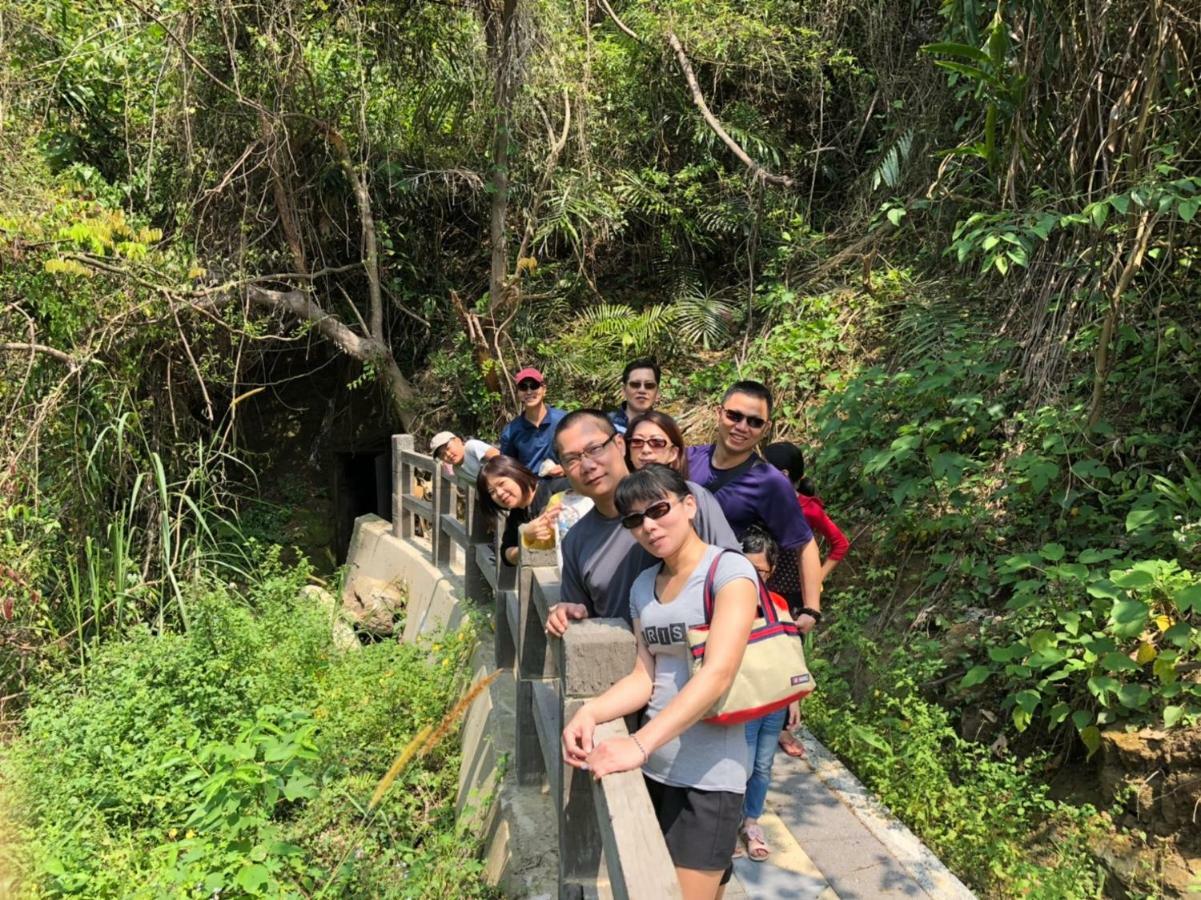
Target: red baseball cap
[(529, 372)]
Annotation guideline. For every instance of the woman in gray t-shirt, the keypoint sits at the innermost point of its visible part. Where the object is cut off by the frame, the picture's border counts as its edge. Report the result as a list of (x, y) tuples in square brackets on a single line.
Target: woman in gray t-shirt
[(696, 772)]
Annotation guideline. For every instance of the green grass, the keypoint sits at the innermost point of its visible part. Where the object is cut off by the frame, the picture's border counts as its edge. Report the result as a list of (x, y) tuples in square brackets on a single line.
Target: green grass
[(239, 757)]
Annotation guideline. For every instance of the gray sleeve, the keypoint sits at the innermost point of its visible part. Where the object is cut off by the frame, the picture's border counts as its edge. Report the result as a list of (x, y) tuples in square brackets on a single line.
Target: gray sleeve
[(571, 579), (732, 567), (476, 450), (711, 522)]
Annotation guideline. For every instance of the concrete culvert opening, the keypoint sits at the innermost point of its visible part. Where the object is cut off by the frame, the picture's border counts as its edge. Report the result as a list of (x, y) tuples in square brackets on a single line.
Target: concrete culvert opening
[(362, 485)]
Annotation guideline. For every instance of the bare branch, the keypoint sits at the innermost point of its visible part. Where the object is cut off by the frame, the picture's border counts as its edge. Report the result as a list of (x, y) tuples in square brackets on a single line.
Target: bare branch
[(757, 171), (365, 349), (698, 98), (620, 24), (61, 356)]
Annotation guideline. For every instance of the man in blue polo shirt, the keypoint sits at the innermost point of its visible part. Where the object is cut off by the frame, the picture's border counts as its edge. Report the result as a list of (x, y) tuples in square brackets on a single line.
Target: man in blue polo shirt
[(530, 437), (750, 491)]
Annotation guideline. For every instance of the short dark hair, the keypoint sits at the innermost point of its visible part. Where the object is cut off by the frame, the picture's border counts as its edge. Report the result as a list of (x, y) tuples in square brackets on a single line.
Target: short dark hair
[(786, 455), (756, 539), (655, 482), (646, 362), (577, 416), (751, 389), (502, 467), (670, 428)]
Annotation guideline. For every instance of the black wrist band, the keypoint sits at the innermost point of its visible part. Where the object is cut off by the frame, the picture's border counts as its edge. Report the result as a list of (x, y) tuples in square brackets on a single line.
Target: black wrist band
[(815, 614)]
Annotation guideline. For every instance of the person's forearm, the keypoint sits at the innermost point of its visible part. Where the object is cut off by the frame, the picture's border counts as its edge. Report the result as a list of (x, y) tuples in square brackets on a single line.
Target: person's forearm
[(810, 565), (828, 566), (626, 696), (698, 696)]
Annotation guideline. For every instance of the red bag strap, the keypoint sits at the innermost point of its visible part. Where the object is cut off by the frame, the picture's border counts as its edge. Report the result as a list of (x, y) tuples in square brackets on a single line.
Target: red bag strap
[(767, 609)]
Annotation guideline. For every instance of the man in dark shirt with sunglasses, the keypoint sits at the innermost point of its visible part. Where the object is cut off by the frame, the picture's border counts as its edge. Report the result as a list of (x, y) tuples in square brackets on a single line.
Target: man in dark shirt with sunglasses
[(750, 491), (601, 558), (640, 387)]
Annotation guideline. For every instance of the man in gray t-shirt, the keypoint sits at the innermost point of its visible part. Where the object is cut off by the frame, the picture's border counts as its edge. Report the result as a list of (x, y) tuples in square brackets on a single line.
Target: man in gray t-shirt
[(705, 757), (601, 559)]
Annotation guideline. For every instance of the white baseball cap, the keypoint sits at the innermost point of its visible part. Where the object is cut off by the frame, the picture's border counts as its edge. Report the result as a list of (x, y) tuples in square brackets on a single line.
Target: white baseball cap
[(440, 440)]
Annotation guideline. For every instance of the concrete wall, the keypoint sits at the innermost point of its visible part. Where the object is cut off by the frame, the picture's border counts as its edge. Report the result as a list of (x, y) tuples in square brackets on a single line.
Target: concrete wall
[(521, 855)]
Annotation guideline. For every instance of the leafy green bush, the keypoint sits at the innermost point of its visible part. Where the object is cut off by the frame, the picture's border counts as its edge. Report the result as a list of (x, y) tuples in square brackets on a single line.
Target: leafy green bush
[(1072, 556), (991, 820), (238, 757)]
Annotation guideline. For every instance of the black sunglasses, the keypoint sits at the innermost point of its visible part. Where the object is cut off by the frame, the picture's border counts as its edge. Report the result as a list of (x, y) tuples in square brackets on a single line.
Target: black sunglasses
[(654, 511), (529, 385), (733, 416), (654, 443), (642, 385)]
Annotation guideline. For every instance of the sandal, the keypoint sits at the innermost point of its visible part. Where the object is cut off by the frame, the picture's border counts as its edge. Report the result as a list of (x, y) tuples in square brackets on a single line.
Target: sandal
[(790, 745), (756, 843)]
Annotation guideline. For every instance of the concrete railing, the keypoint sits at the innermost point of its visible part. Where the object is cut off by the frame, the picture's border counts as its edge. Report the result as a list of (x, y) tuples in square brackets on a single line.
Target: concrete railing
[(609, 838)]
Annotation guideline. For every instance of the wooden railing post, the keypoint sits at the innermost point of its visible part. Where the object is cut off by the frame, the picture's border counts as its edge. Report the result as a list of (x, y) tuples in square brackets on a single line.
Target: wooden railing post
[(592, 655), (474, 582), (444, 502), (507, 604), (535, 575), (402, 480), (636, 856)]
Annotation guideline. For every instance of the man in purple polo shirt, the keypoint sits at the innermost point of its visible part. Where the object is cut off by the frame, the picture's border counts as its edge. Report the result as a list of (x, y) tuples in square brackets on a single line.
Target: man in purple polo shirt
[(750, 491)]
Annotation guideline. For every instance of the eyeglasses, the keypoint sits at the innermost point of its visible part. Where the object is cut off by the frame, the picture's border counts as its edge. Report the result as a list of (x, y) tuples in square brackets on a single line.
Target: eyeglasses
[(733, 416), (642, 385), (654, 443), (654, 511), (571, 460), (528, 385)]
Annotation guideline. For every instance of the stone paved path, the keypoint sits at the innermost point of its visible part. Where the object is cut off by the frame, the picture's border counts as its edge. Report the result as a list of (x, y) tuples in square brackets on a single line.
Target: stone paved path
[(831, 840)]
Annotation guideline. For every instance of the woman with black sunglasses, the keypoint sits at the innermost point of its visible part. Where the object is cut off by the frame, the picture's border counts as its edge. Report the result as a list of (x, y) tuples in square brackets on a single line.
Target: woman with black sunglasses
[(695, 771), (654, 437)]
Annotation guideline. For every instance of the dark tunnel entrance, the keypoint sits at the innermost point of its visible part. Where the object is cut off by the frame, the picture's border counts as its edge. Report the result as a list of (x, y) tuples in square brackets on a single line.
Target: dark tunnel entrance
[(362, 485)]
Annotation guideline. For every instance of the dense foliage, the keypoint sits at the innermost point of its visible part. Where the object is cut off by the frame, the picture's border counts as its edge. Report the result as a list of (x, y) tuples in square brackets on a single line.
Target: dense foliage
[(239, 758), (959, 239)]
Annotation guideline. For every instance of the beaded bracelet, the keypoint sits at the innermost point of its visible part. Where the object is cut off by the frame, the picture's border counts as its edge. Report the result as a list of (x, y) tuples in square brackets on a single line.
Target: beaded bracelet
[(637, 743)]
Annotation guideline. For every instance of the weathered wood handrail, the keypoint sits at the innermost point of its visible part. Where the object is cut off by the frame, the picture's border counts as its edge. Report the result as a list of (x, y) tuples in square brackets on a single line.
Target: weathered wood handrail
[(636, 856), (609, 824)]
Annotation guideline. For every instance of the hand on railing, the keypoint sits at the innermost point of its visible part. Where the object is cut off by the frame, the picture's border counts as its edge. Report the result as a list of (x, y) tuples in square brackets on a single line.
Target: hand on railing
[(614, 754), (558, 616), (577, 738)]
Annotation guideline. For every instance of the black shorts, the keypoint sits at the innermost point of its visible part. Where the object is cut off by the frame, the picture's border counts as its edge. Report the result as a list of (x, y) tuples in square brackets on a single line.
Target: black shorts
[(700, 827)]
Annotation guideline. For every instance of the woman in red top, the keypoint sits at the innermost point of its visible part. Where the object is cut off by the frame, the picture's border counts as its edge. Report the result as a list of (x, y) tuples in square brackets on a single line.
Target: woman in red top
[(787, 457)]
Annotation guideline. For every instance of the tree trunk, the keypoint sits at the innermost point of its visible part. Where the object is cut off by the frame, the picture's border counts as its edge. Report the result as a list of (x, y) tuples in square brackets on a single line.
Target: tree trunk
[(499, 22)]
